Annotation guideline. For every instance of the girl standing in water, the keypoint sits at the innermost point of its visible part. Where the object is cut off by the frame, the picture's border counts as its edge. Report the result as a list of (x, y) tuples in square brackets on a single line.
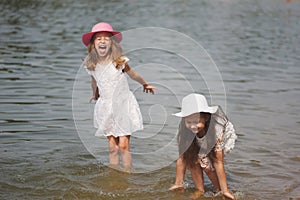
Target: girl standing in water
[(116, 113)]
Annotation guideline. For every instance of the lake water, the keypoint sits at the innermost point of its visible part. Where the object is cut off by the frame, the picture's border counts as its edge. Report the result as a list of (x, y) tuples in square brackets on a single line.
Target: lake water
[(244, 55)]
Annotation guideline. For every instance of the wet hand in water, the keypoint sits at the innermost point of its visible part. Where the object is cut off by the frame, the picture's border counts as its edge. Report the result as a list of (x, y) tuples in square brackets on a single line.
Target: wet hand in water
[(176, 187), (229, 196)]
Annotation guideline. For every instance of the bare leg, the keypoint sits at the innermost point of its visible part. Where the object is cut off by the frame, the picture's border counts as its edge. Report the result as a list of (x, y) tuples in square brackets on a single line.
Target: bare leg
[(206, 165), (180, 173), (197, 176), (125, 152), (113, 151), (213, 178)]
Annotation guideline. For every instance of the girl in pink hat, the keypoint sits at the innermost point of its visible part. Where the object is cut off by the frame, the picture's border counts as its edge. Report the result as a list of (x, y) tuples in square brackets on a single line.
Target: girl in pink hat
[(116, 113), (204, 135)]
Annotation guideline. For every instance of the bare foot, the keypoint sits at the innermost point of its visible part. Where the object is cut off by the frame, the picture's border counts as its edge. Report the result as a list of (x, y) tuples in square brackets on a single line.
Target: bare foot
[(176, 187), (196, 194), (228, 195)]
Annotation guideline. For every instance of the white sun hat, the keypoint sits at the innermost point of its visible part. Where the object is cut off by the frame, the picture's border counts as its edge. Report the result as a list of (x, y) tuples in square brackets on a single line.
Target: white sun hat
[(194, 103)]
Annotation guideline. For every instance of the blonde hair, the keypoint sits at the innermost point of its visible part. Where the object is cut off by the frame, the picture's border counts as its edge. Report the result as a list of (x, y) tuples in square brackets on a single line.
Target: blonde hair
[(115, 54)]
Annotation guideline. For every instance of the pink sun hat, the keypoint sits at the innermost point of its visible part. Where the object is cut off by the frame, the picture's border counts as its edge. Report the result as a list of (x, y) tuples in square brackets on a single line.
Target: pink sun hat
[(101, 27)]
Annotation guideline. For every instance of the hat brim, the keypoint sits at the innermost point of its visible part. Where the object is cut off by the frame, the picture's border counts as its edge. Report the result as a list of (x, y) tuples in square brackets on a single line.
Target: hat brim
[(211, 109), (86, 38)]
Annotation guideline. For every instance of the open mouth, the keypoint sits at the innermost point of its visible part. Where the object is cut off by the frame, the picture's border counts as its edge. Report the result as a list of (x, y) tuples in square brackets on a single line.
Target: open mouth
[(102, 47), (102, 50)]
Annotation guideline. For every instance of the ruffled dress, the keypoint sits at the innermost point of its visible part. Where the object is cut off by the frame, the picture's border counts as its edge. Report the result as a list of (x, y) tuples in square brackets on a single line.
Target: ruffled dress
[(116, 112), (220, 136)]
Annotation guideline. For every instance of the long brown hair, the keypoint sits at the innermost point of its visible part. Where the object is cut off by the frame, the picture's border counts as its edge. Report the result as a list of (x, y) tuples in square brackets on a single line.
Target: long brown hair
[(115, 54), (187, 142)]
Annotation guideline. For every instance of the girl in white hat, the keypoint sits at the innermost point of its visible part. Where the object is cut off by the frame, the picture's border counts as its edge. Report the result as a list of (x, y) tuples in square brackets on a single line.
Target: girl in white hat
[(204, 136), (116, 113)]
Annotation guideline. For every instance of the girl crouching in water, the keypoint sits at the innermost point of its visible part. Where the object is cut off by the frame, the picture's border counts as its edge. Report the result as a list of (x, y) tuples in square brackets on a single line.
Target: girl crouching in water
[(204, 136)]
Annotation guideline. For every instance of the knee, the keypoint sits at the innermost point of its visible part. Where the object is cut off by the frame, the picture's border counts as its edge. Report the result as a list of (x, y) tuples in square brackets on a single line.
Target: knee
[(113, 149), (217, 161), (208, 170), (123, 147), (217, 157)]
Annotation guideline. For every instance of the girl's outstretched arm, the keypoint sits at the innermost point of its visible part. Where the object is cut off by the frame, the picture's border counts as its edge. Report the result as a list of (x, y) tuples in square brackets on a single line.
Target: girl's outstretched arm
[(138, 78), (218, 162), (180, 173)]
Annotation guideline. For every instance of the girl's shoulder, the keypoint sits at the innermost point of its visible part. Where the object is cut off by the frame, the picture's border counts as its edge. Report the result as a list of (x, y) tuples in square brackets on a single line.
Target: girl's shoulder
[(121, 61)]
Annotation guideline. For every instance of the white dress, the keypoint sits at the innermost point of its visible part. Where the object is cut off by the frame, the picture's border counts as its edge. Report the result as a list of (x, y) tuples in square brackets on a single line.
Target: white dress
[(116, 112)]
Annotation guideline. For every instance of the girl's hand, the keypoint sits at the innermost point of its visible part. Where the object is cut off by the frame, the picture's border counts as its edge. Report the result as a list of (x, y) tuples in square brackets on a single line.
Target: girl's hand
[(93, 98), (228, 195), (176, 187), (149, 88)]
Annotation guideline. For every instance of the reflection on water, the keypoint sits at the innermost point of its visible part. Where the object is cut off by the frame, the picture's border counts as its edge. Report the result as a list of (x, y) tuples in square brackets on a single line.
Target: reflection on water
[(254, 44)]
